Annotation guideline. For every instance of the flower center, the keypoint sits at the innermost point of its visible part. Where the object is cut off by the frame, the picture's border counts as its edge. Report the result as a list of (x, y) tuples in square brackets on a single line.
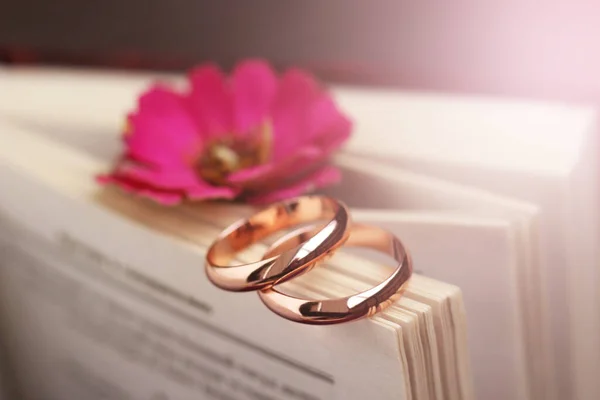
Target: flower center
[(230, 154)]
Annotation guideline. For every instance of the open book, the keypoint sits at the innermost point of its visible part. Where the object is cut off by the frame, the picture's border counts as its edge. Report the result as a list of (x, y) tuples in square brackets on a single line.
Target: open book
[(79, 229), (482, 200)]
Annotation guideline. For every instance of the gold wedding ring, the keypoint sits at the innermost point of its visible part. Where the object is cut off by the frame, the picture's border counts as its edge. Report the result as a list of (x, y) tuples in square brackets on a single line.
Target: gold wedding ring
[(298, 252), (360, 305), (277, 269)]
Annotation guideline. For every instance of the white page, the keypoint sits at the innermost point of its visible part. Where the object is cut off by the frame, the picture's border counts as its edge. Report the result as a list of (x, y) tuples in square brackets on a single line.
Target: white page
[(74, 170), (446, 248), (373, 185), (475, 254), (544, 153), (433, 239), (66, 223), (569, 236), (140, 346), (490, 133)]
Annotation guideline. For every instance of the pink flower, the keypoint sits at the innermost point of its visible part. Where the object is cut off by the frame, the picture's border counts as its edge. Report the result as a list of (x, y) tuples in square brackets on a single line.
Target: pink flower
[(251, 136)]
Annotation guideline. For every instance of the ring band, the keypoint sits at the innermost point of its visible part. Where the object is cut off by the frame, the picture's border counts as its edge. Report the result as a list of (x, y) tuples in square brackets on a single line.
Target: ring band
[(295, 260), (363, 304)]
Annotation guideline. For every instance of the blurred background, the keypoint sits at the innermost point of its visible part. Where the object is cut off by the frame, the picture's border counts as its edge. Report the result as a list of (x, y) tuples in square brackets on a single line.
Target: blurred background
[(508, 48)]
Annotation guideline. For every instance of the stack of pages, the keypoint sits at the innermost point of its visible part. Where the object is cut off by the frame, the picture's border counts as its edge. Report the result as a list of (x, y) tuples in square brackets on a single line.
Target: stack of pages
[(104, 295)]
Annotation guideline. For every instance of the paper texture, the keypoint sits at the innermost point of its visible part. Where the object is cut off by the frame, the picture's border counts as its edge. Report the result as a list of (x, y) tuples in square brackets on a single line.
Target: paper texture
[(98, 329), (543, 153), (434, 240), (385, 187), (106, 240)]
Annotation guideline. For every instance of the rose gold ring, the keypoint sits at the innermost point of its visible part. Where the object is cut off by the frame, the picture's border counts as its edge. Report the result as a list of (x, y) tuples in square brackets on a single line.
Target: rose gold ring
[(335, 311), (282, 267)]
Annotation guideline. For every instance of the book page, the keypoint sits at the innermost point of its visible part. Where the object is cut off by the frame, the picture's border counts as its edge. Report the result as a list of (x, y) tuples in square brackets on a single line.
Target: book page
[(334, 285), (108, 334), (521, 135), (446, 246), (68, 218), (92, 129), (569, 223), (446, 249), (544, 153), (386, 187), (71, 173)]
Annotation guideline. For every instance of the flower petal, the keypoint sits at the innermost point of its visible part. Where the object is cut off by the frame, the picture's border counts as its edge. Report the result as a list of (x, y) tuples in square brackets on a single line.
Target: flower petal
[(160, 100), (186, 181), (210, 101), (137, 188), (327, 127), (161, 132), (146, 188), (164, 185), (269, 174), (174, 179), (297, 90), (254, 86), (324, 177), (207, 192)]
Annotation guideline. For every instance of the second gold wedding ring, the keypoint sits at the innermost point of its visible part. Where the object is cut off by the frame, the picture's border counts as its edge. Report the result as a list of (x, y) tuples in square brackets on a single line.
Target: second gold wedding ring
[(280, 268), (350, 308)]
